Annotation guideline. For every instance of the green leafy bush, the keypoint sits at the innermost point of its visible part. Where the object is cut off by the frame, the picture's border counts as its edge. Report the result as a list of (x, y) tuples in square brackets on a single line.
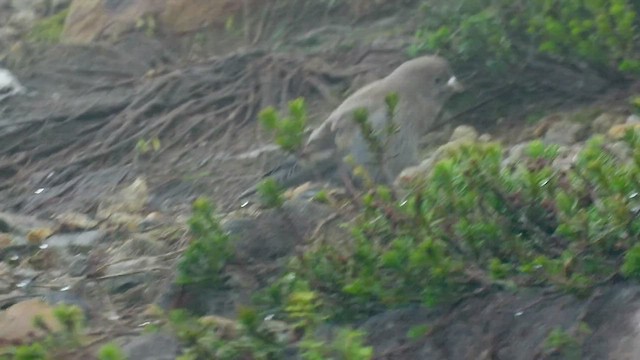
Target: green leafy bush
[(475, 223), (208, 340), (503, 35), (270, 193), (209, 250)]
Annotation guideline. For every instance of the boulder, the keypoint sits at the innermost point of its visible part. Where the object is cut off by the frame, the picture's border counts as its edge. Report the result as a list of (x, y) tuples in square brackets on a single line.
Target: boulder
[(91, 20)]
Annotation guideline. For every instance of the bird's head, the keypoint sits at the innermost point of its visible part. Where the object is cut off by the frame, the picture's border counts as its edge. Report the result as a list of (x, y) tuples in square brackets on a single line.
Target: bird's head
[(430, 76)]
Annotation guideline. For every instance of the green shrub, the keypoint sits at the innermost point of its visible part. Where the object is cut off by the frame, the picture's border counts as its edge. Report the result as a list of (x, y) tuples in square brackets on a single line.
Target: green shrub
[(207, 340), (288, 131), (209, 251), (31, 352), (568, 344), (474, 223), (270, 193), (502, 35), (110, 352)]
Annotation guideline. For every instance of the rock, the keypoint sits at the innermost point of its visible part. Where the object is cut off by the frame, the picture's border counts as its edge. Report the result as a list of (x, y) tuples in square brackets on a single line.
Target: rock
[(79, 265), (124, 275), (9, 85), (389, 329), (76, 242), (131, 199), (157, 346), (5, 240), (139, 245), (565, 132), (621, 150), (6, 283), (124, 207), (20, 224), (617, 132), (605, 121), (275, 233), (461, 135), (228, 328), (23, 20), (180, 16), (70, 221), (91, 20), (633, 119), (37, 236), (515, 154), (22, 5), (152, 220), (16, 323), (567, 156), (465, 133), (59, 5)]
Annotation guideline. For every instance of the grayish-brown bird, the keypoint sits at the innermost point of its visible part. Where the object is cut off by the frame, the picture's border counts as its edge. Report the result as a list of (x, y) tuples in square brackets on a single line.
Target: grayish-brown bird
[(422, 85)]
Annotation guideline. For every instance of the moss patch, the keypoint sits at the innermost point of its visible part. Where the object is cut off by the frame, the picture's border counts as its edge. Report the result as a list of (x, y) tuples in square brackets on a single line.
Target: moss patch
[(49, 30)]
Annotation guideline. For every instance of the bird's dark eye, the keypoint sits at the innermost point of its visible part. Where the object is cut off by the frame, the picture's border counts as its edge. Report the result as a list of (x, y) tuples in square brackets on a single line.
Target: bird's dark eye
[(438, 81)]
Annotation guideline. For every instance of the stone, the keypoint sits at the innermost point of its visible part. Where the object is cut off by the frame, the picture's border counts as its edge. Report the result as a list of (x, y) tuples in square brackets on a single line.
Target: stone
[(79, 241), (156, 346), (565, 132), (605, 121)]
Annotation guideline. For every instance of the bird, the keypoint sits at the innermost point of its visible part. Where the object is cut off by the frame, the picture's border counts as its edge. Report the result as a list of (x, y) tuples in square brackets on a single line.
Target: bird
[(421, 85)]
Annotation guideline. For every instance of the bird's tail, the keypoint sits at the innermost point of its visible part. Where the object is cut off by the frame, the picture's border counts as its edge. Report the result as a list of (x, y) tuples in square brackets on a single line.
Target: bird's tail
[(296, 171)]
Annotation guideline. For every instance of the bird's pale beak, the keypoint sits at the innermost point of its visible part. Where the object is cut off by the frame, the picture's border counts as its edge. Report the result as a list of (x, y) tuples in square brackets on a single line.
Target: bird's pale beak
[(455, 85)]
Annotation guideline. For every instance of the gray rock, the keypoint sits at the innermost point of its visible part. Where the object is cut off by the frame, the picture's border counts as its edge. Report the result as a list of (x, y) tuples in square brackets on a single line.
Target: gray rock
[(275, 233), (464, 132), (77, 242), (633, 119), (605, 121), (515, 154), (565, 132), (124, 275), (79, 265), (158, 346), (23, 19), (567, 157), (621, 150)]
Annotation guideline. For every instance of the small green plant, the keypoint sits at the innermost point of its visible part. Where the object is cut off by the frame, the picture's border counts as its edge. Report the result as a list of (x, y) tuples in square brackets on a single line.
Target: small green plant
[(303, 307), (218, 339), (322, 197), (631, 265), (417, 332), (567, 343), (49, 30), (209, 251), (635, 103), (31, 352), (110, 352), (270, 193), (144, 146), (288, 131), (147, 24)]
